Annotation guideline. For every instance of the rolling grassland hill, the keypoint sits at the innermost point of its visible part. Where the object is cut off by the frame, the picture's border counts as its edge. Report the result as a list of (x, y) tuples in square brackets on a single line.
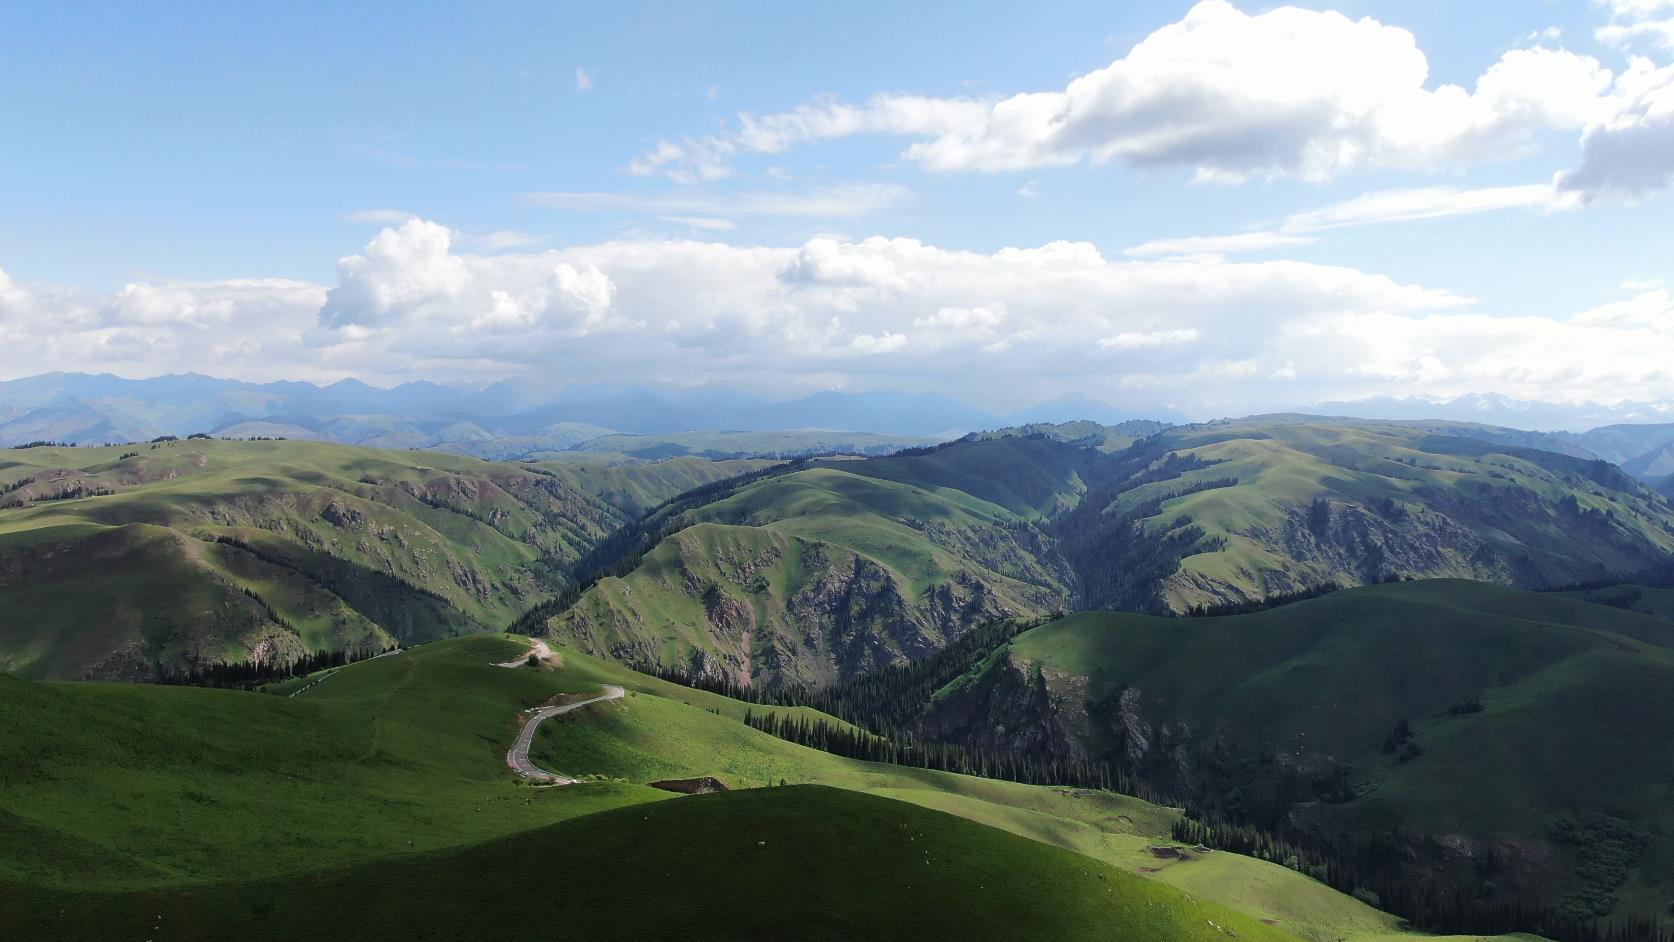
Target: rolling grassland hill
[(135, 561), (1237, 511), (839, 567), (376, 802), (1502, 742)]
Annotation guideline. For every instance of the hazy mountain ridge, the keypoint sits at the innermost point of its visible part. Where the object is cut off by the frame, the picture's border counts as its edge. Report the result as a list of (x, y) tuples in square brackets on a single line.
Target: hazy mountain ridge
[(100, 409)]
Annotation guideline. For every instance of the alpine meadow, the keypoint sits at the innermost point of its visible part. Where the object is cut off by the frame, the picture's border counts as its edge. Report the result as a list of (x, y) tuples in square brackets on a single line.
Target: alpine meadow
[(531, 471)]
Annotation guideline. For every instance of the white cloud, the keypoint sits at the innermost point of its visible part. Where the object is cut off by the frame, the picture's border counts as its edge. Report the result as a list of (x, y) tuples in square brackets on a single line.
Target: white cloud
[(1006, 327), (846, 200), (1631, 153), (1382, 206), (706, 223), (1129, 340), (381, 217), (1289, 92), (1427, 203), (501, 239), (252, 327), (1029, 190), (973, 324), (887, 343), (1634, 21), (583, 81), (1219, 245)]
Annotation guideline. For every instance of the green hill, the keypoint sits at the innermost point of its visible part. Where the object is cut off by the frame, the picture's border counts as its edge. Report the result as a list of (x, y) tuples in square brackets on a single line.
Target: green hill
[(803, 862), (819, 574), (1525, 711), (1241, 510), (376, 802), (130, 560)]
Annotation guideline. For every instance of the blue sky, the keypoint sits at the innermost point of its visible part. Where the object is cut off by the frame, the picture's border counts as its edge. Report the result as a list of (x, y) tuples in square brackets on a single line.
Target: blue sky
[(191, 189)]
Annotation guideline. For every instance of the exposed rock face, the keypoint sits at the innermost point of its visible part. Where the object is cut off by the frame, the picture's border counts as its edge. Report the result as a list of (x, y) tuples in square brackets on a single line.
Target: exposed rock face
[(1133, 734), (764, 607), (707, 785), (1007, 709)]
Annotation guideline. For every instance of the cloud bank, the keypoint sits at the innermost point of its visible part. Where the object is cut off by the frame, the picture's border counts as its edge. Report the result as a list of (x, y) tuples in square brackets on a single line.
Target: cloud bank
[(1007, 328)]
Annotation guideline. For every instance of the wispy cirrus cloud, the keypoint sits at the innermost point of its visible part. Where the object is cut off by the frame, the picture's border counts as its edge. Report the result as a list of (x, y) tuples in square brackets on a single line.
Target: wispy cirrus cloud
[(845, 200), (1375, 208), (380, 217)]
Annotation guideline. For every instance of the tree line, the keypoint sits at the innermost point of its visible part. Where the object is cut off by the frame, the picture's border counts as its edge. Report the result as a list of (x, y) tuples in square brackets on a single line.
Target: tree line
[(1374, 871), (853, 743), (244, 675)]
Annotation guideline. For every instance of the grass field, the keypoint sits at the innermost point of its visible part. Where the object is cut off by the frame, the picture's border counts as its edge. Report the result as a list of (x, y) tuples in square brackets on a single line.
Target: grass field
[(1321, 683), (817, 575), (1351, 502), (322, 547), (214, 808), (805, 863)]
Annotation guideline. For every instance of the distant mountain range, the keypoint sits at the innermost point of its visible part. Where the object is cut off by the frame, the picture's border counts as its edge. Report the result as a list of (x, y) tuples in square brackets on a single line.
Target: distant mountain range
[(81, 408), (1491, 409)]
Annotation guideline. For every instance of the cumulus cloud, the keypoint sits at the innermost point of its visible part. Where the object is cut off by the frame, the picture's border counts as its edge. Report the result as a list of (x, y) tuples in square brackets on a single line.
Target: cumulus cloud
[(252, 327), (1286, 93), (1631, 153), (1004, 328), (1639, 21)]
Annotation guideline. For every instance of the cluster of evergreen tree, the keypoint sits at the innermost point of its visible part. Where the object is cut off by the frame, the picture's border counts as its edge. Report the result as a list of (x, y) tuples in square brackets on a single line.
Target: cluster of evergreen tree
[(1377, 872), (946, 757), (1262, 604), (247, 674), (887, 702), (1118, 561)]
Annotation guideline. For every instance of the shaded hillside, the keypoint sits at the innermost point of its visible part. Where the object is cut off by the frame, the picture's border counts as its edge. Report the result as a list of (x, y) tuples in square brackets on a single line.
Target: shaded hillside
[(376, 802), (123, 562), (1466, 722), (1236, 511), (818, 574), (820, 863)]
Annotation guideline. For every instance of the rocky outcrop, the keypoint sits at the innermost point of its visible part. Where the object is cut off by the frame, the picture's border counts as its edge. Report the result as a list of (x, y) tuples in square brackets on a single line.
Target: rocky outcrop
[(1008, 708)]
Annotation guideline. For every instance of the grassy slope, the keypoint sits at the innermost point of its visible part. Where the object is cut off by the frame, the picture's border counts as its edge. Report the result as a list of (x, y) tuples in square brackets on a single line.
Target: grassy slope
[(122, 792), (806, 863), (1559, 678), (352, 547), (637, 487), (1031, 477), (118, 785), (1450, 495), (667, 731), (922, 536), (815, 575)]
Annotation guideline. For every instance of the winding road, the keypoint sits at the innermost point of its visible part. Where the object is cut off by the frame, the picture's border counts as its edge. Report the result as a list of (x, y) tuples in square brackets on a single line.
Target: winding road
[(518, 757)]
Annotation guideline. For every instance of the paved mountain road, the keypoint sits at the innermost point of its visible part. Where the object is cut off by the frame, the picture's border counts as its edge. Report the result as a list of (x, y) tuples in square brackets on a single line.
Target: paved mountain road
[(518, 757)]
